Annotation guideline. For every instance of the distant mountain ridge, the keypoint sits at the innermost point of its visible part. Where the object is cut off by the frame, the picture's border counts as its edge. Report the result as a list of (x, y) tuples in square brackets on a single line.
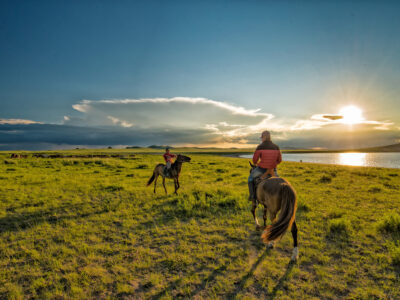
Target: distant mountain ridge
[(388, 148)]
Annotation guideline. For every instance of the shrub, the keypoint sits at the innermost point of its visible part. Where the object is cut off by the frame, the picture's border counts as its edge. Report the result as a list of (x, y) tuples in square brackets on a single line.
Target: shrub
[(390, 224), (142, 166), (395, 254), (339, 227), (374, 189), (325, 179), (335, 214), (301, 206), (113, 188)]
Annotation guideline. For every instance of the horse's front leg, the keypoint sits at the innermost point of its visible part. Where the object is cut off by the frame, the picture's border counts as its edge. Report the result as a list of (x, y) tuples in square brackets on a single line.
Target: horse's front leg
[(155, 183), (163, 183), (295, 253), (176, 186), (253, 211)]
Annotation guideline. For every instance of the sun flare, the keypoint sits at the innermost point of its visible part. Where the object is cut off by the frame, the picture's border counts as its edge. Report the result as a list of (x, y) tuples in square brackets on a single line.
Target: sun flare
[(351, 115)]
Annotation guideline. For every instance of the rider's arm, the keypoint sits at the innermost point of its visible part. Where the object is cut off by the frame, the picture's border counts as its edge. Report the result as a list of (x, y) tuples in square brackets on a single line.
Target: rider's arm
[(279, 160), (256, 156)]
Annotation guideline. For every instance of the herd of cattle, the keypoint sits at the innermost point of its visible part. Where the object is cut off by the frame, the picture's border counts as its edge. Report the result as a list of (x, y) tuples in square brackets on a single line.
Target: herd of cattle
[(39, 155)]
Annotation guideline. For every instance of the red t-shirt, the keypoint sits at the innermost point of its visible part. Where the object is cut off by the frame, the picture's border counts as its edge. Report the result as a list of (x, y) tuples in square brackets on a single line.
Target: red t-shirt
[(168, 157)]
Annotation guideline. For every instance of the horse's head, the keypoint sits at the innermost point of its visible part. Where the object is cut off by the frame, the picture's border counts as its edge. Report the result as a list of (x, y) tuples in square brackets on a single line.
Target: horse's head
[(252, 166), (183, 158)]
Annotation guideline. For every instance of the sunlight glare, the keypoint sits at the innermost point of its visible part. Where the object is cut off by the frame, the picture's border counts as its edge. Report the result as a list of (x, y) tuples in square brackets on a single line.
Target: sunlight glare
[(351, 115), (352, 159)]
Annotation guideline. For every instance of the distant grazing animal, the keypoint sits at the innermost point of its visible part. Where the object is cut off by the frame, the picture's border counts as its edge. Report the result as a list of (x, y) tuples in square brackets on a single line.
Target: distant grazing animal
[(276, 194), (174, 172)]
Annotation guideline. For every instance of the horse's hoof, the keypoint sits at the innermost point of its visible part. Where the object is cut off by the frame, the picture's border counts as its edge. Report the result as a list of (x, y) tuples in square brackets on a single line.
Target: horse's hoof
[(270, 245)]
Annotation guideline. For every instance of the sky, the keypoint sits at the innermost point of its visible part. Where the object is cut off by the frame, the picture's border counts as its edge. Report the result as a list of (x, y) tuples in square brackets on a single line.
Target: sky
[(198, 73)]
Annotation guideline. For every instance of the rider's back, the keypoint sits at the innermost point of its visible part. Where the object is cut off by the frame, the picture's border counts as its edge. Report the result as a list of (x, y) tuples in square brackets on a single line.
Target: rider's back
[(269, 155)]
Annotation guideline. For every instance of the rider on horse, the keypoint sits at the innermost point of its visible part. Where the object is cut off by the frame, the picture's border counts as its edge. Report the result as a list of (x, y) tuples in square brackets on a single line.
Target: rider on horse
[(266, 157), (168, 160)]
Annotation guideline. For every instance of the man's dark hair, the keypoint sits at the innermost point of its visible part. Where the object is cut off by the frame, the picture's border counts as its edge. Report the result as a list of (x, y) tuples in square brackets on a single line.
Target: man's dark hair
[(166, 149)]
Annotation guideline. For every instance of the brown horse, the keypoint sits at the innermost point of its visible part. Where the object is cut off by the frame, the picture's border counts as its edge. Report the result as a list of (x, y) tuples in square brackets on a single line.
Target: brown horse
[(174, 172), (276, 194)]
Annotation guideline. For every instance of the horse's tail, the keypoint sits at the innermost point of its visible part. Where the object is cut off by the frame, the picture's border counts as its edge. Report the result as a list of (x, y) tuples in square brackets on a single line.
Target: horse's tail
[(286, 216), (152, 178)]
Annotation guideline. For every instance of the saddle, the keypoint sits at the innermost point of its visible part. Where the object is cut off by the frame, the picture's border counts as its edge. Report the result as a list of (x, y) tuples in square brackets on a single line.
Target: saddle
[(268, 174), (166, 172)]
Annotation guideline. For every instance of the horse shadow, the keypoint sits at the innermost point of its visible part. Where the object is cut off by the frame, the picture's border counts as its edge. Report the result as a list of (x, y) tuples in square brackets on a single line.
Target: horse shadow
[(21, 221), (282, 280), (241, 283)]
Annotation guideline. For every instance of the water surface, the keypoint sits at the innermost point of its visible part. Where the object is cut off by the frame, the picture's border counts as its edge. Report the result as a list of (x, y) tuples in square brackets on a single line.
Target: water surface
[(386, 160)]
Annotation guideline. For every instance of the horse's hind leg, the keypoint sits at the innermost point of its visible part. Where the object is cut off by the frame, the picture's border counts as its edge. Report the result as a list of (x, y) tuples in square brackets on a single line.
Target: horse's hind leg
[(163, 183), (295, 253), (265, 216), (272, 216)]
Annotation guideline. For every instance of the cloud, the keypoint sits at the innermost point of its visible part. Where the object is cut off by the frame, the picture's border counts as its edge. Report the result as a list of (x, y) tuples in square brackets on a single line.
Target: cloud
[(17, 121), (166, 112), (117, 121), (332, 117), (190, 121)]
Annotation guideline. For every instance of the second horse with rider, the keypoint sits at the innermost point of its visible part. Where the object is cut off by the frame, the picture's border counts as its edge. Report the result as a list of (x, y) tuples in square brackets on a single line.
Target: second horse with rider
[(168, 161)]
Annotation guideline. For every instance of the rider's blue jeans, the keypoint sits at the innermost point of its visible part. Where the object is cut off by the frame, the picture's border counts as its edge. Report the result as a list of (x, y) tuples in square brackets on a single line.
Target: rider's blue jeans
[(257, 171)]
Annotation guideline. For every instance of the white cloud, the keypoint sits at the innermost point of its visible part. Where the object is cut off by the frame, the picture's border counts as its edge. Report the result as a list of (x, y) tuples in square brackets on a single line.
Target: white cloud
[(17, 121), (169, 113), (117, 121)]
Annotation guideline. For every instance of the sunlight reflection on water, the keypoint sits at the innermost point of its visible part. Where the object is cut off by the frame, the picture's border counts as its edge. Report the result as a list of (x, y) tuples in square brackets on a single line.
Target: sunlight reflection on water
[(352, 159), (387, 160)]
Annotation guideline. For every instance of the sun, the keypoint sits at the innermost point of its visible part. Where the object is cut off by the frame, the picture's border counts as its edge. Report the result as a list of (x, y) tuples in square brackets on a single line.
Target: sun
[(351, 115)]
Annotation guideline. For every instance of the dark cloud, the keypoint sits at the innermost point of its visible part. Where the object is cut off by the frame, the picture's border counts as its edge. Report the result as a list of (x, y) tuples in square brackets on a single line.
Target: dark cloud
[(49, 134), (332, 117)]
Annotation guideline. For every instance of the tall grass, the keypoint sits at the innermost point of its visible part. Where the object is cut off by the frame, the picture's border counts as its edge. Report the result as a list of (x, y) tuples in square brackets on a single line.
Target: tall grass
[(89, 228)]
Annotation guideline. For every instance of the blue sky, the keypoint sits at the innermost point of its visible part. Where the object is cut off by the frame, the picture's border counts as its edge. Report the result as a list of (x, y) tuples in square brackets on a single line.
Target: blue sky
[(292, 60)]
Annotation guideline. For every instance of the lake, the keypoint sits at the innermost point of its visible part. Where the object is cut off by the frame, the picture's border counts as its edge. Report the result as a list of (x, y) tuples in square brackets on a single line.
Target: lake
[(386, 160)]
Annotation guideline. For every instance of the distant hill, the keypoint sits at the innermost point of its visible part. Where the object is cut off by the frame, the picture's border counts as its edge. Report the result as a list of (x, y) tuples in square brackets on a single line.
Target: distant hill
[(388, 148), (159, 147)]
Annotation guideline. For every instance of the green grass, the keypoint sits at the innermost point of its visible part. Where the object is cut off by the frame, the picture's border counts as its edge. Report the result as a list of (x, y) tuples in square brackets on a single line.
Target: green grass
[(90, 228)]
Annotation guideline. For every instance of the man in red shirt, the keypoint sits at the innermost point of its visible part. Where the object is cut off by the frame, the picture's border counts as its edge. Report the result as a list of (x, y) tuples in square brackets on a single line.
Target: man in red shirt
[(168, 160), (266, 157)]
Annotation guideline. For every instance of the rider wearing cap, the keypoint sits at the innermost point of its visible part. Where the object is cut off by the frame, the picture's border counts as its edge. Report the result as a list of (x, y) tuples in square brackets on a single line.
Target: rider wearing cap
[(168, 159), (266, 157)]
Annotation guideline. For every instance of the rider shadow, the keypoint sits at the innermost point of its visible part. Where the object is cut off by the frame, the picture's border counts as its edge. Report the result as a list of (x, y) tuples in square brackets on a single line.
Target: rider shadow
[(283, 279)]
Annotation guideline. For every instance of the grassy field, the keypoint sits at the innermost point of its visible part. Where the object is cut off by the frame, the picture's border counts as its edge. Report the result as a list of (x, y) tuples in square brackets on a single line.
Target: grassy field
[(90, 228)]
